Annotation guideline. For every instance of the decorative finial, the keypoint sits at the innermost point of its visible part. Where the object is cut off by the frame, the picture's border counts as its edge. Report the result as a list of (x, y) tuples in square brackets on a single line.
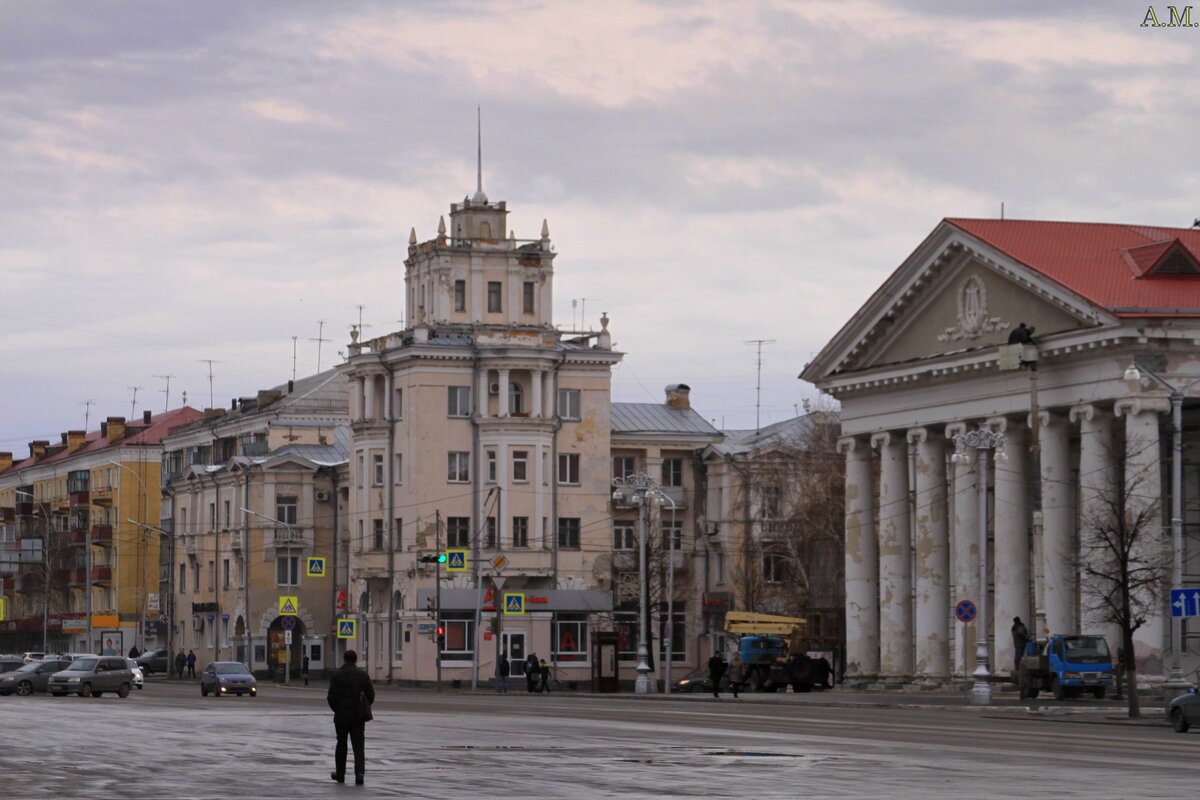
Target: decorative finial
[(604, 321), (479, 197), (412, 236), (442, 227), (545, 230)]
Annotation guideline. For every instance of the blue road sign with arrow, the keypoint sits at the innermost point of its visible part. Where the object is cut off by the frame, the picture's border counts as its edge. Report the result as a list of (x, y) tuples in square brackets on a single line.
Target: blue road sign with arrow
[(1185, 602)]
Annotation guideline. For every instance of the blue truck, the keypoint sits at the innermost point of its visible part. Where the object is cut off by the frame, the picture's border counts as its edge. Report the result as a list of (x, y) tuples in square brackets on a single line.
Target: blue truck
[(1067, 666), (773, 649)]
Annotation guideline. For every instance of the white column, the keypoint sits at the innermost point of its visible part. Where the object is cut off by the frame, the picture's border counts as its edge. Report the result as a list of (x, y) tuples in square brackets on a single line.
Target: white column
[(964, 552), (895, 557), (356, 400), (481, 393), (862, 564), (369, 405), (1058, 549), (549, 389), (1143, 489), (931, 613), (1012, 516), (503, 409), (1097, 483), (535, 392)]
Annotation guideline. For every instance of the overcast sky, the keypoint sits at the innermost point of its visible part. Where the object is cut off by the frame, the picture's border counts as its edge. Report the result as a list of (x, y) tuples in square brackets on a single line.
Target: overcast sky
[(206, 180)]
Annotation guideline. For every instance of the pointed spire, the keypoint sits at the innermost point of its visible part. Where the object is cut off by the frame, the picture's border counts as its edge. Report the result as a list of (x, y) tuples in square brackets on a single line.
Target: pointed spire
[(545, 230), (479, 197), (412, 236), (442, 226)]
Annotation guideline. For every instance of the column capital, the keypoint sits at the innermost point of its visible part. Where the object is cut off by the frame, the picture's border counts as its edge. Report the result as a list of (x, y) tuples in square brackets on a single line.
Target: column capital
[(1083, 412), (1049, 418), (848, 444), (920, 435), (1142, 405), (998, 424), (880, 440), (955, 429)]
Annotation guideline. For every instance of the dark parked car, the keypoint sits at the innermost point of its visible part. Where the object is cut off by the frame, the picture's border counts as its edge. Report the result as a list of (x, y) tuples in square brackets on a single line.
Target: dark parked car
[(31, 678), (1184, 711), (10, 663), (698, 681), (227, 677), (92, 676), (154, 661)]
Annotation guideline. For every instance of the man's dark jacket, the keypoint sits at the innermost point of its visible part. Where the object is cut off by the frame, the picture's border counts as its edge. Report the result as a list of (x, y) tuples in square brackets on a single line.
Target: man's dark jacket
[(345, 686)]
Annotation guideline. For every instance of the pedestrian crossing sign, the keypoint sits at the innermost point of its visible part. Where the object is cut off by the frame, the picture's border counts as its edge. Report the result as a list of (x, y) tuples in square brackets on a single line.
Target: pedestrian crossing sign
[(289, 605), (347, 628), (514, 603), (456, 560), (316, 567)]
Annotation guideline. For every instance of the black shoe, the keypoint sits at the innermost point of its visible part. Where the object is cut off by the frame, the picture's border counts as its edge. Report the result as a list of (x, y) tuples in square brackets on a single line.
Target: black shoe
[(358, 780), (338, 778)]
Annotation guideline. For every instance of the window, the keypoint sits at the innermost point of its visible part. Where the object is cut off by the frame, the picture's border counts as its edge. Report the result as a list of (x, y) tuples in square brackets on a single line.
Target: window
[(287, 570), (399, 469), (624, 467), (520, 466), (490, 540), (771, 502), (212, 576), (376, 534), (398, 405), (527, 297), (720, 568), (772, 568), (571, 637), (626, 625), (458, 467), (491, 466), (397, 535), (672, 472), (568, 403), (673, 534), (398, 635), (458, 401), (361, 469), (227, 514), (182, 578), (568, 468), (225, 573), (516, 398), (494, 297), (212, 516), (520, 532), (460, 295), (568, 533), (285, 509), (460, 635), (458, 531), (678, 638), (377, 469), (196, 577), (624, 537)]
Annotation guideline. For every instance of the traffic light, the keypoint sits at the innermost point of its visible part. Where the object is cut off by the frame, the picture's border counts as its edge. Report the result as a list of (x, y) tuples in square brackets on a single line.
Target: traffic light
[(434, 558), (441, 633)]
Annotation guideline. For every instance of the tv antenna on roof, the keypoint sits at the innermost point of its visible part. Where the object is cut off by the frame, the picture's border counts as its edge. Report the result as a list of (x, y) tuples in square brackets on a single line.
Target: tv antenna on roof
[(87, 411), (758, 386), (210, 362), (133, 403), (320, 340), (167, 391)]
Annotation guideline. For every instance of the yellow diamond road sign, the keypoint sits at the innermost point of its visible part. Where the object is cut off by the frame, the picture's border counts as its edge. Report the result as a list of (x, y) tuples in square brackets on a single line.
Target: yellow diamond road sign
[(499, 562), (316, 567), (514, 603), (289, 605), (346, 628)]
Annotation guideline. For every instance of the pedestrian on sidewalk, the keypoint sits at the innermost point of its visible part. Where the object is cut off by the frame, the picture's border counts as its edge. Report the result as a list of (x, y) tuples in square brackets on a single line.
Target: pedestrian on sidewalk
[(191, 664), (544, 672), (180, 664), (737, 674), (1020, 635), (502, 670), (133, 652), (350, 697), (533, 671), (716, 669)]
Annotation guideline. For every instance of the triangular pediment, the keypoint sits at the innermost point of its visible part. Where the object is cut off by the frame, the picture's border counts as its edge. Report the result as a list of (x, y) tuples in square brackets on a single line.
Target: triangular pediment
[(955, 293)]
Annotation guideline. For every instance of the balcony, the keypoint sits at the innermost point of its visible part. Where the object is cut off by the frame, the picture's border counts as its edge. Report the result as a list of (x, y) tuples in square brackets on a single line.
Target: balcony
[(102, 535), (77, 539), (102, 575), (80, 499), (237, 541), (102, 496), (283, 537), (190, 547), (76, 576)]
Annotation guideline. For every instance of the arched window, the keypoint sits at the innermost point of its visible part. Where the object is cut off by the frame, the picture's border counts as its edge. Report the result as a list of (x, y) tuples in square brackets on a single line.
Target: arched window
[(516, 399)]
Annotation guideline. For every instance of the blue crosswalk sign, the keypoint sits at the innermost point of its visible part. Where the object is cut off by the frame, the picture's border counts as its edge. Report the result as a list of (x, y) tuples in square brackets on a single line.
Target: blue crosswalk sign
[(316, 568), (1185, 602), (456, 560), (514, 603), (347, 628)]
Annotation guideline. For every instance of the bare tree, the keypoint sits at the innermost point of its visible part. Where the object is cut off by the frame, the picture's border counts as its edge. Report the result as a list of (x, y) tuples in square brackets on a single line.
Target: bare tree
[(1124, 559)]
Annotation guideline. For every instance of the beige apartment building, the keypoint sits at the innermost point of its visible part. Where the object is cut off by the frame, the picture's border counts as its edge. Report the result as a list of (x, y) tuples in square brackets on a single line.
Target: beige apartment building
[(254, 499)]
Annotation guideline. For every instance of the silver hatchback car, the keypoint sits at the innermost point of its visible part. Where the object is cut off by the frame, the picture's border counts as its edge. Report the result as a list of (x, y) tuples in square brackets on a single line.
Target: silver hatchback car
[(92, 676)]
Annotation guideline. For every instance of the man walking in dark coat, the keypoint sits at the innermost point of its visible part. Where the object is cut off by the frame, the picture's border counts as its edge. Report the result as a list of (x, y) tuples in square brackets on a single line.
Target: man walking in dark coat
[(716, 669), (180, 664), (350, 696)]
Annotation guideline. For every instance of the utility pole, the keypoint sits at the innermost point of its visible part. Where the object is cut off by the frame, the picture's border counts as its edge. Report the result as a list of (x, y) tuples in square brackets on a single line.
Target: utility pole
[(133, 403), (758, 385), (294, 338), (437, 603), (320, 340), (166, 391)]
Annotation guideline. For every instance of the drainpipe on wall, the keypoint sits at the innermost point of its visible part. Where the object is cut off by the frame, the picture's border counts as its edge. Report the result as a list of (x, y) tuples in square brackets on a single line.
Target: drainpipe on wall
[(246, 578), (477, 514), (389, 488), (553, 528)]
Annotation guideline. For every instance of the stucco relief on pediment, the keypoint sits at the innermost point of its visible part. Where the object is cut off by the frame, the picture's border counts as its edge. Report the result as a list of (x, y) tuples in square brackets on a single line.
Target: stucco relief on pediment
[(973, 317)]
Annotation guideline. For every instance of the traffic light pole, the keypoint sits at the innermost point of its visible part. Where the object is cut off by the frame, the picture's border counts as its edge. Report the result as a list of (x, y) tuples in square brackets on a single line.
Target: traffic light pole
[(437, 577)]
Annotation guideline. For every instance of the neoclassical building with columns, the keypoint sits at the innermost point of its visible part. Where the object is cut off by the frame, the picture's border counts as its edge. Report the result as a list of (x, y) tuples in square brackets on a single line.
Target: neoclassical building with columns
[(927, 358)]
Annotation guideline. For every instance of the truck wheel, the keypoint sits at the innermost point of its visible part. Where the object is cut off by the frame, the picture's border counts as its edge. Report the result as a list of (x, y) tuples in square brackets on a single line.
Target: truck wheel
[(1060, 692), (1098, 692), (1032, 694), (1178, 722)]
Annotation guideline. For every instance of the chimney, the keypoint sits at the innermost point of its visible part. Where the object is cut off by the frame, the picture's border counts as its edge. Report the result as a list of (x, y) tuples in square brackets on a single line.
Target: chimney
[(268, 396), (37, 448), (5, 461), (104, 430), (116, 429), (146, 417), (75, 440), (677, 396), (211, 414)]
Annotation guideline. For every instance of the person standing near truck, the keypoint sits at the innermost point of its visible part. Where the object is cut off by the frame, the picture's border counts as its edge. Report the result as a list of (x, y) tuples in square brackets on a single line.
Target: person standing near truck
[(1020, 636), (737, 674), (716, 668)]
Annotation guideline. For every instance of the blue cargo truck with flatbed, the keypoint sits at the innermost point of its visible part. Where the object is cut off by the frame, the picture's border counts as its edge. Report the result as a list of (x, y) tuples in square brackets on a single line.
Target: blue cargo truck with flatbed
[(1067, 666)]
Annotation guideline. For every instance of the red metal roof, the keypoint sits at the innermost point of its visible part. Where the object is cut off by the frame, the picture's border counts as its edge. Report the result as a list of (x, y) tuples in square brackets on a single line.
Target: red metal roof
[(1110, 265)]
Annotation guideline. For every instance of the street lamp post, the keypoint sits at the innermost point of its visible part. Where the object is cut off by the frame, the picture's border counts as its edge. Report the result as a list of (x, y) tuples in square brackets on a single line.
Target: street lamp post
[(642, 490), (170, 591), (45, 567), (291, 537), (141, 637), (981, 441), (1133, 376)]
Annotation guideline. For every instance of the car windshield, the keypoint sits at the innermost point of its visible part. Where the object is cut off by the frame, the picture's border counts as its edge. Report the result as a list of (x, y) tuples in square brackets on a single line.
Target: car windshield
[(84, 664), (231, 669), (1083, 646)]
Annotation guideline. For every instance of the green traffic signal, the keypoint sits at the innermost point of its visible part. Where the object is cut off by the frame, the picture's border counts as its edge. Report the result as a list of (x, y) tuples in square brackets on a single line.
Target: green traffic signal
[(441, 558)]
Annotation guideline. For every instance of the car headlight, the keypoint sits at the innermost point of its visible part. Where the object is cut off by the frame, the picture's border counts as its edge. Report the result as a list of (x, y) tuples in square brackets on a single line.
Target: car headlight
[(72, 680)]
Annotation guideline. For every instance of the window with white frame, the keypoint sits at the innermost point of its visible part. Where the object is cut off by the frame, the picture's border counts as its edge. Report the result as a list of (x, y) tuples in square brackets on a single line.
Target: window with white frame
[(568, 533), (624, 536), (570, 637), (494, 289), (376, 534), (460, 635), (624, 466), (568, 404), (287, 570), (285, 509), (490, 537), (377, 469), (458, 401), (672, 534), (458, 467), (520, 466), (672, 472), (568, 468), (458, 531), (520, 532), (491, 466), (773, 567)]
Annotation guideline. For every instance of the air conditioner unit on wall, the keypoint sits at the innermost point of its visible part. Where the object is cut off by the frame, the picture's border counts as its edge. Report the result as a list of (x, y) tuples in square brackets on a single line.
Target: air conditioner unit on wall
[(322, 496), (494, 388), (713, 528)]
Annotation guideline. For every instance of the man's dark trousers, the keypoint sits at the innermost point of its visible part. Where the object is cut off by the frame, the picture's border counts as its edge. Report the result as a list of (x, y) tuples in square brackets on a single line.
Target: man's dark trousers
[(356, 732)]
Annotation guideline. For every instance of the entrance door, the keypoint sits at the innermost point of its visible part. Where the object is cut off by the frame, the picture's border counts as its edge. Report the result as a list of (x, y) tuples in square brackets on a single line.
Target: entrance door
[(514, 649)]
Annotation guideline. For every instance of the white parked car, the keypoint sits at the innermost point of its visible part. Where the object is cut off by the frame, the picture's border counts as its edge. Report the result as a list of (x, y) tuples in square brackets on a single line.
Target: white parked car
[(139, 680), (30, 657)]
